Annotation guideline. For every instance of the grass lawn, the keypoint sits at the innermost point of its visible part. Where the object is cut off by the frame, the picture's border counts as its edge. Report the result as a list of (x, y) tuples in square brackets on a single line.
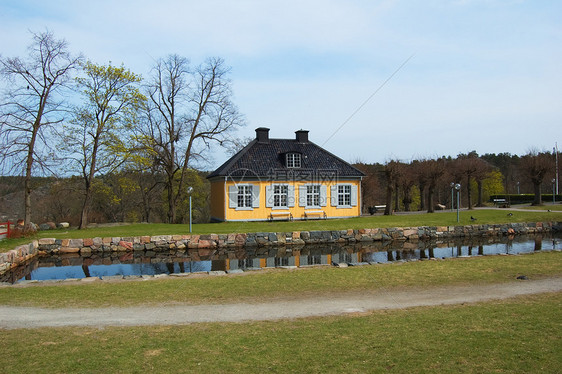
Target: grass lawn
[(520, 335), (488, 216), (548, 206), (282, 284)]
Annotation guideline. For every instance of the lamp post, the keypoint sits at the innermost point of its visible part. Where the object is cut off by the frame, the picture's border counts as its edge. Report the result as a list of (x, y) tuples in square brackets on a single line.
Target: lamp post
[(189, 191), (458, 188), (452, 194), (517, 188), (553, 191)]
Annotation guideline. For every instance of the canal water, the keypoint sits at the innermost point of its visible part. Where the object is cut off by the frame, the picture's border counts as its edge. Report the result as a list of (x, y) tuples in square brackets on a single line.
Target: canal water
[(150, 263)]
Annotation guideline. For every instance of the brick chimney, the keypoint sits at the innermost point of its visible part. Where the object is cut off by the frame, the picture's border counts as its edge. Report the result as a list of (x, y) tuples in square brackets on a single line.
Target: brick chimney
[(262, 135), (302, 136)]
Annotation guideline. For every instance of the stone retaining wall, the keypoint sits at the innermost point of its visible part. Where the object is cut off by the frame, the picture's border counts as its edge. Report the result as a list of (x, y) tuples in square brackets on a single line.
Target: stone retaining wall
[(167, 242)]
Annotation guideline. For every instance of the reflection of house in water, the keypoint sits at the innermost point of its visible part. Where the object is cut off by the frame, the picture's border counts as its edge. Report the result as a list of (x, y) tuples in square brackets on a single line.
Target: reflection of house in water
[(137, 263)]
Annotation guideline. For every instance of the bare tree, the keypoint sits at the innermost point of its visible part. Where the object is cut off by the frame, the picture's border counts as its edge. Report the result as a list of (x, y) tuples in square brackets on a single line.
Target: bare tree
[(433, 171), (188, 110), (33, 105), (99, 127), (420, 176), (407, 181), (392, 174), (472, 168), (536, 166)]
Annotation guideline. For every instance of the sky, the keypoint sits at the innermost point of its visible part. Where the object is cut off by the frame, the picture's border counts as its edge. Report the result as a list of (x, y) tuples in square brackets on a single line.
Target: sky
[(372, 81)]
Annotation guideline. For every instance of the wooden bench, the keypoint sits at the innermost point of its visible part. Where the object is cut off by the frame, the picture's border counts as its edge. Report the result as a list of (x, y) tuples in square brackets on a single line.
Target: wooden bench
[(319, 213), (375, 208), (501, 203), (281, 215)]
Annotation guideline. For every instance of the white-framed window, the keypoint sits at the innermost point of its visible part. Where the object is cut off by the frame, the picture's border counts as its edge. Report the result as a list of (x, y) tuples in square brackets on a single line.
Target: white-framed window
[(293, 160), (313, 195), (344, 195), (244, 196), (280, 196)]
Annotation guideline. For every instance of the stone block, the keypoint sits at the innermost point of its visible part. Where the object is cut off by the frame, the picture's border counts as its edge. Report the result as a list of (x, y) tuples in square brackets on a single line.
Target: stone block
[(69, 250), (128, 245), (46, 241)]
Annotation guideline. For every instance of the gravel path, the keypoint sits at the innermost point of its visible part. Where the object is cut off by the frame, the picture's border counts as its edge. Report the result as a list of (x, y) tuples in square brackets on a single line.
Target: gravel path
[(28, 317)]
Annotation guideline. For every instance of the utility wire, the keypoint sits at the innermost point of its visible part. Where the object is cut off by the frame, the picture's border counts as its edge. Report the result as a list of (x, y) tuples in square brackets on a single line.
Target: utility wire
[(369, 98)]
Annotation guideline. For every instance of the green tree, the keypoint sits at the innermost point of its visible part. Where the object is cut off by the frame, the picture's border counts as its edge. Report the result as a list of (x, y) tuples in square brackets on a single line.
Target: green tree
[(101, 125)]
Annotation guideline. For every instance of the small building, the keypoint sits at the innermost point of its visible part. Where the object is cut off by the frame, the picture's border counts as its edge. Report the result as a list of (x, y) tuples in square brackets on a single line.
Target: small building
[(284, 179)]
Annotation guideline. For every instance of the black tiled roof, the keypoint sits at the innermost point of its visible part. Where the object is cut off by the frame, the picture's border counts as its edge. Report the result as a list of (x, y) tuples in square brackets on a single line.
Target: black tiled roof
[(261, 159)]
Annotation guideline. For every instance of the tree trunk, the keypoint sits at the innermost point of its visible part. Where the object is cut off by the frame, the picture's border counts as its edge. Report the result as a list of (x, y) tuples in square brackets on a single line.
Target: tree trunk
[(407, 200), (396, 203), (422, 197), (85, 209), (388, 208), (171, 203), (27, 180), (538, 198), (469, 192), (430, 208), (480, 193)]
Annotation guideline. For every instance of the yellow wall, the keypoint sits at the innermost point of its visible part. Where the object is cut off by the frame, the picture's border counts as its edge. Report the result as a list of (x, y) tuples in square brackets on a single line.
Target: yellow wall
[(220, 209)]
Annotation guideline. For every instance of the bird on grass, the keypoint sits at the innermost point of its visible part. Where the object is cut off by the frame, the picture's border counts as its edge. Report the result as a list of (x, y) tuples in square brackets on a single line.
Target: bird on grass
[(472, 218), (509, 214)]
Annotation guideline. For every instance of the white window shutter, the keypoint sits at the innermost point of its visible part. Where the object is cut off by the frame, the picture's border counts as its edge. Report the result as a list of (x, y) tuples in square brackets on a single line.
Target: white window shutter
[(233, 196), (269, 196), (302, 195), (290, 196), (255, 195), (323, 195), (353, 195), (334, 195)]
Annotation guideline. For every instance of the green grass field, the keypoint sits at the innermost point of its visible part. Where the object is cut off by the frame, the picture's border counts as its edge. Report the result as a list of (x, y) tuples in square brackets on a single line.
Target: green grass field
[(488, 216), (520, 335)]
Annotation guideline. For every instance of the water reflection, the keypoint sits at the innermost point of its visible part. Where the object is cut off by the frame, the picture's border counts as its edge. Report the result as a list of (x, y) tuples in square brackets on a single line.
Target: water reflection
[(70, 266)]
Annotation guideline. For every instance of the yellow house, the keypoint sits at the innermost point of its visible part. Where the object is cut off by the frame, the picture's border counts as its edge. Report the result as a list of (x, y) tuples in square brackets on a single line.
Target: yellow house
[(284, 179)]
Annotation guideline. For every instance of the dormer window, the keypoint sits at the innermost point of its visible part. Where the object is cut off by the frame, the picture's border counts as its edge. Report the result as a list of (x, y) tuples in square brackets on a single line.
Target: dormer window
[(293, 160)]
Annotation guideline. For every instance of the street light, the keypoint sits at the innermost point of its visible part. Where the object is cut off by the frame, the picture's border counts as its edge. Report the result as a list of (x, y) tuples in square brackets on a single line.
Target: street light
[(517, 188), (553, 191), (189, 191), (458, 188)]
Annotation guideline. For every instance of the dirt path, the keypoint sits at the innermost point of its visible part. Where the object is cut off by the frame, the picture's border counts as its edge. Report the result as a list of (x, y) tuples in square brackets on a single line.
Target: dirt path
[(27, 317)]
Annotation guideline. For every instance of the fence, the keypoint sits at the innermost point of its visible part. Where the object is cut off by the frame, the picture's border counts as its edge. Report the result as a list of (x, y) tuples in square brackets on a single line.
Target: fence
[(5, 226)]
